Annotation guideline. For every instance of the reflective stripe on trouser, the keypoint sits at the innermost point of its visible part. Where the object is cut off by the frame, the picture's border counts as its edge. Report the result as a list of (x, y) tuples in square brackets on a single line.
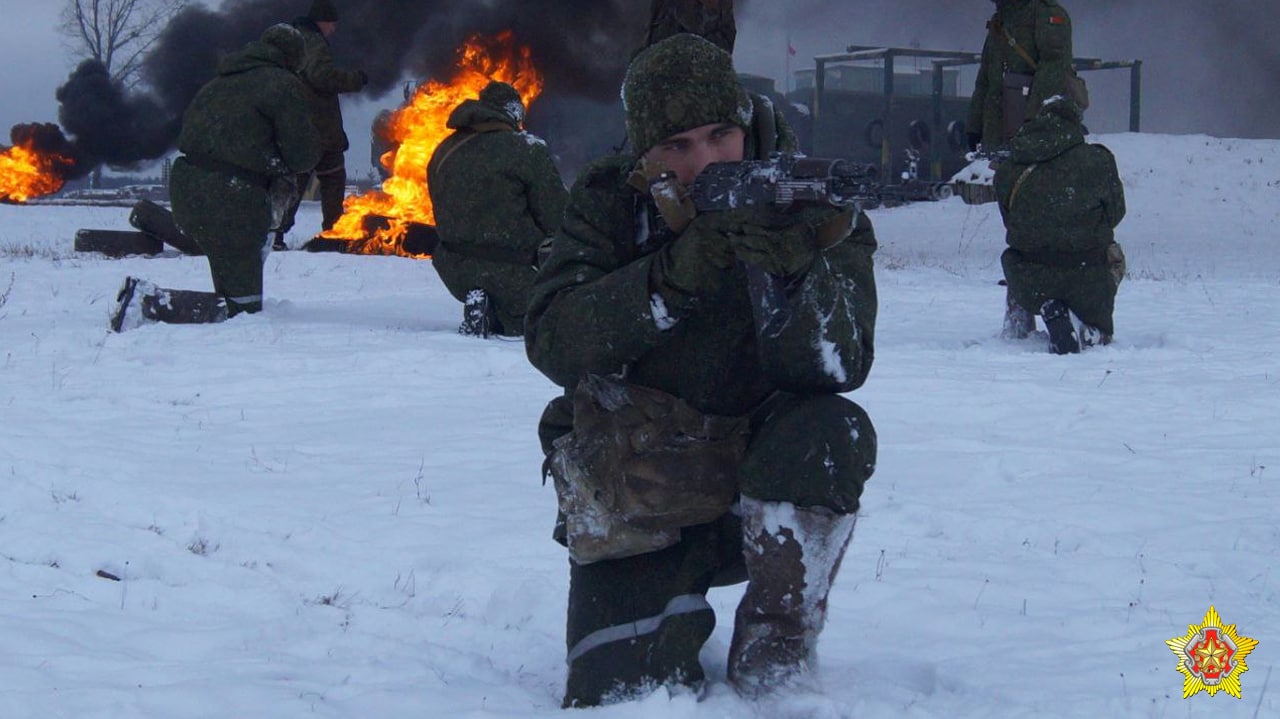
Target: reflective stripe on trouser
[(812, 451), (683, 604), (638, 622), (229, 220)]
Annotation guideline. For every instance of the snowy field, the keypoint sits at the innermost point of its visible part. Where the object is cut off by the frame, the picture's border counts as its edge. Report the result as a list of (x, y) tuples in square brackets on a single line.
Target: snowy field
[(334, 508)]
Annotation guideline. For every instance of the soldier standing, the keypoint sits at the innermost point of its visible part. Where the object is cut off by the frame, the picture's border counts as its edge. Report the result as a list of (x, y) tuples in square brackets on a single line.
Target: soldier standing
[(1061, 199), (245, 136), (1026, 59), (324, 81), (497, 197), (710, 19), (749, 462)]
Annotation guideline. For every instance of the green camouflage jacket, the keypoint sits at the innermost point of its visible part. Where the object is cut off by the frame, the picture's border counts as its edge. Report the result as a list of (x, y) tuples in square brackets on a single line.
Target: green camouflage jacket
[(710, 19), (1042, 28), (495, 190), (593, 311), (1057, 192), (325, 81), (252, 115)]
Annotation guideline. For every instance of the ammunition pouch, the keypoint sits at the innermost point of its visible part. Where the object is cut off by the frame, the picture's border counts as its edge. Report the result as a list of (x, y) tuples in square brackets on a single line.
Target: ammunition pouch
[(1077, 90), (1116, 263), (1017, 93), (284, 194), (639, 465)]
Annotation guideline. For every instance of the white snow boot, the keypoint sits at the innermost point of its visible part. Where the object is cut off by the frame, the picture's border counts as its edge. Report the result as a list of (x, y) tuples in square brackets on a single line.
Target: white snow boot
[(792, 556)]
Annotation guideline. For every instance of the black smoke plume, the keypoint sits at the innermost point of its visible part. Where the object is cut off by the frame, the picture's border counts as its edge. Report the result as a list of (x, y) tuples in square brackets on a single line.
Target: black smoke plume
[(111, 126), (580, 46)]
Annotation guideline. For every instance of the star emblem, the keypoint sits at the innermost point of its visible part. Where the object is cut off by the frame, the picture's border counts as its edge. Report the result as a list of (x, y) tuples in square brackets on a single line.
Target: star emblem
[(1211, 656)]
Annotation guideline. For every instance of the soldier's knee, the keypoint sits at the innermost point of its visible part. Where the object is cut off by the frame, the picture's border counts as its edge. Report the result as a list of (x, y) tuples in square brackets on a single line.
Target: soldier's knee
[(811, 451)]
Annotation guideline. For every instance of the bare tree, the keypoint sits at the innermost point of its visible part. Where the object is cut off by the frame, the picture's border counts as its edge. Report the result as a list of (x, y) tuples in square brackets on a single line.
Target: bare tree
[(116, 33)]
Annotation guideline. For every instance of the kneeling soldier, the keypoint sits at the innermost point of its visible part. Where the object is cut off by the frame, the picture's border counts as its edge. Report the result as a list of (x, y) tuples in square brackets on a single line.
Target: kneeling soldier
[(1061, 199), (702, 438), (244, 137)]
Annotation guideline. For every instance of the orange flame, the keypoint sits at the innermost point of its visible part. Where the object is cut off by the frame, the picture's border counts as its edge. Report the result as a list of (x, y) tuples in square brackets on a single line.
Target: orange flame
[(416, 130), (26, 173)]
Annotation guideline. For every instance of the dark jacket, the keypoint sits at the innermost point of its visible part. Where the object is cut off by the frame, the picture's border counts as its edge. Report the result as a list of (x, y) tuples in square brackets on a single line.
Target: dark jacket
[(325, 81), (1042, 28), (1058, 193), (253, 116), (593, 311)]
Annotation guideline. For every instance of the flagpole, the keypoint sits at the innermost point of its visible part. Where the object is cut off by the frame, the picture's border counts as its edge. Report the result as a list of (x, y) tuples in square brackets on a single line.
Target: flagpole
[(786, 81)]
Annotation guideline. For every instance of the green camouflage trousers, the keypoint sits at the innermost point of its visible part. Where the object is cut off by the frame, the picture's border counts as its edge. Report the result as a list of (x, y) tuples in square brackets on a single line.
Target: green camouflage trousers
[(508, 285), (641, 621), (1089, 291), (229, 218)]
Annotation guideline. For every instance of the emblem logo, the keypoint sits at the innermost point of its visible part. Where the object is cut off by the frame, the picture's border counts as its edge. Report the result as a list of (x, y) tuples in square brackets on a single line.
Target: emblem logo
[(1211, 656)]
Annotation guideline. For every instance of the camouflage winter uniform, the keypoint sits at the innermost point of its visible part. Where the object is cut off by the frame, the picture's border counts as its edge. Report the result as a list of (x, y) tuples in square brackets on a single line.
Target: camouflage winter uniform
[(324, 82), (1042, 29), (1061, 199), (497, 196), (604, 303), (245, 128), (710, 19)]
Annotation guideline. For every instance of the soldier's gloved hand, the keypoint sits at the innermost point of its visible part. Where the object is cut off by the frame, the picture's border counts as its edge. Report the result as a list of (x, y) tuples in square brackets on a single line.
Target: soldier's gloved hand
[(973, 138), (786, 243), (699, 259)]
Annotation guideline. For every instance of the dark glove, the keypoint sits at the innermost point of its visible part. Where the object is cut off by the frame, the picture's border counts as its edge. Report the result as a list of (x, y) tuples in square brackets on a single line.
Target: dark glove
[(786, 243), (974, 139), (698, 261), (364, 78)]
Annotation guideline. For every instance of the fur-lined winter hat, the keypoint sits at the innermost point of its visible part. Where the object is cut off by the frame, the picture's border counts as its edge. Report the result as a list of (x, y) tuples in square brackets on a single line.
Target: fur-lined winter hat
[(678, 84)]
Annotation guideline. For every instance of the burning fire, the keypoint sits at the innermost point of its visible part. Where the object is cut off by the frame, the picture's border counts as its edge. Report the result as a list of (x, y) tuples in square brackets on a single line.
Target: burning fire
[(416, 130), (26, 173)]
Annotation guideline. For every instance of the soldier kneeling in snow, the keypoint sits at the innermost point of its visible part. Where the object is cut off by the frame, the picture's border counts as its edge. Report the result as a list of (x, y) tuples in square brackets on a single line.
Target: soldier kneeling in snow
[(244, 137), (498, 197), (1061, 199), (702, 438)]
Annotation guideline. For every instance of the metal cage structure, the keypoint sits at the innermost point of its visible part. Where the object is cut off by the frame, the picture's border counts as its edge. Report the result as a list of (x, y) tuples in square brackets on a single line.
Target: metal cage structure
[(898, 126)]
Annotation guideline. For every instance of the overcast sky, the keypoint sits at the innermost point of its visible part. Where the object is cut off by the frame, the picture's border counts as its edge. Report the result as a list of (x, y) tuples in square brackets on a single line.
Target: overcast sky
[(1205, 70)]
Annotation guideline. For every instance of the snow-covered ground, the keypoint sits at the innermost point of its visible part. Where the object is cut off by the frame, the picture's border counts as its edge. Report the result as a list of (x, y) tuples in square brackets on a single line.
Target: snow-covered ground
[(334, 508)]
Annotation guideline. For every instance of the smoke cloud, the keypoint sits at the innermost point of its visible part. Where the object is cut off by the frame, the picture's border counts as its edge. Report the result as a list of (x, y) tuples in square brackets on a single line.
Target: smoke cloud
[(580, 46)]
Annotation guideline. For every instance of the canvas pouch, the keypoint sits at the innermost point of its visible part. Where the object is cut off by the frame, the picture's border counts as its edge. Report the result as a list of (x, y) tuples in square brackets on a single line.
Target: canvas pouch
[(1077, 90), (638, 465)]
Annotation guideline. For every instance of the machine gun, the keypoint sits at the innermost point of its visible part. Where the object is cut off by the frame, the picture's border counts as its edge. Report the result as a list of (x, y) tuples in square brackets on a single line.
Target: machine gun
[(783, 181), (975, 182)]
